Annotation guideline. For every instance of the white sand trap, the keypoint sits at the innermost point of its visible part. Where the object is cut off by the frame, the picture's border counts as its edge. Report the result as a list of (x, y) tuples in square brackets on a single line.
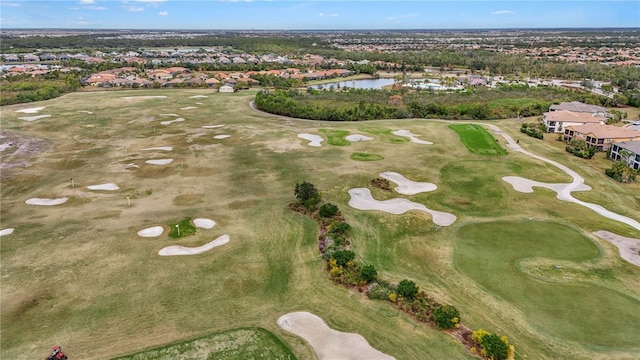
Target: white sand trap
[(221, 136), (159, 161), (204, 223), (169, 115), (188, 108), (144, 97), (198, 96), (107, 186), (7, 231), (315, 140), (199, 103), (167, 122), (182, 250), (358, 138), (85, 111), (132, 165), (361, 199), (212, 126), (33, 118), (627, 247), (406, 186), (153, 231), (33, 110), (411, 136), (162, 148), (46, 202), (327, 343)]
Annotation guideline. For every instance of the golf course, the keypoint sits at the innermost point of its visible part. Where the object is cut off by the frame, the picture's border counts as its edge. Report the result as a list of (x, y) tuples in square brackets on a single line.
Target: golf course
[(105, 190)]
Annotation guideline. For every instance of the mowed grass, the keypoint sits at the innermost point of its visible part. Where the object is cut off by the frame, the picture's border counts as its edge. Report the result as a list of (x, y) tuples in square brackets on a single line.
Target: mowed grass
[(181, 228), (359, 156), (490, 254), (336, 137), (78, 275), (478, 140), (249, 343)]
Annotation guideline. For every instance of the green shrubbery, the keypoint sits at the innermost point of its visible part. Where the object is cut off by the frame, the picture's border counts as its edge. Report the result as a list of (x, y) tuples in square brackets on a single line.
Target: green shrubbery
[(530, 129), (580, 148), (446, 316), (492, 346)]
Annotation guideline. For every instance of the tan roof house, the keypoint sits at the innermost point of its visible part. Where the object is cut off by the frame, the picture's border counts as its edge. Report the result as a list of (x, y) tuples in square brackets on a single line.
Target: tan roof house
[(577, 106), (556, 121), (600, 136)]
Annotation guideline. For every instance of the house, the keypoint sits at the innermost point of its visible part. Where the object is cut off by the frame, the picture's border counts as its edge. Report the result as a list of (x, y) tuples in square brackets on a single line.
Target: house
[(11, 58), (556, 121), (174, 83), (633, 155), (160, 74), (226, 89), (476, 80), (31, 58), (577, 106), (600, 136), (212, 82)]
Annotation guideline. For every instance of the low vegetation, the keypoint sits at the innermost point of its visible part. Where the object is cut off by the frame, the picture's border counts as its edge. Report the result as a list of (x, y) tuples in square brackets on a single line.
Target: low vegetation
[(478, 140), (360, 156), (181, 228), (533, 130)]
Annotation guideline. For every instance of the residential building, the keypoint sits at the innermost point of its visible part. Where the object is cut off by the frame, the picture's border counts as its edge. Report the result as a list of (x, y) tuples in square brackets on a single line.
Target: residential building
[(579, 107), (600, 136), (556, 121), (226, 89), (633, 155)]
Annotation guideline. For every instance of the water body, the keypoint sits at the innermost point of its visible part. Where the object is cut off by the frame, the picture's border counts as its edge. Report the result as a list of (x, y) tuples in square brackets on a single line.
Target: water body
[(358, 84)]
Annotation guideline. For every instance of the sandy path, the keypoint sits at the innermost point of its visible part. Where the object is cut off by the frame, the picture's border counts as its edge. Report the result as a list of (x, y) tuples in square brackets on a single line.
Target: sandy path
[(159, 161), (627, 247), (163, 148), (315, 140), (411, 136), (183, 250), (153, 231), (327, 343), (46, 202), (204, 223), (406, 186), (7, 231), (358, 138), (32, 110), (563, 190), (361, 199), (107, 186)]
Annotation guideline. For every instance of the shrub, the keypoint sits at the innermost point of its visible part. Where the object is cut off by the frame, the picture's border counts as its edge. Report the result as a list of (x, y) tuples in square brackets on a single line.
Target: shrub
[(307, 193), (407, 288), (343, 257), (340, 228), (328, 210), (491, 345), (368, 273), (379, 292), (381, 183), (446, 316)]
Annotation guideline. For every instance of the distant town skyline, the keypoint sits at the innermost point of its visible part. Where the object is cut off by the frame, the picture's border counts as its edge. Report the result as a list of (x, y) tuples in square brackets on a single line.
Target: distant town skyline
[(316, 15)]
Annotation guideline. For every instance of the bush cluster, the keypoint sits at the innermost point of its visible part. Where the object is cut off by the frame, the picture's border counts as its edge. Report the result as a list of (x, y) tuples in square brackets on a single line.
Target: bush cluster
[(493, 346), (581, 149), (531, 131)]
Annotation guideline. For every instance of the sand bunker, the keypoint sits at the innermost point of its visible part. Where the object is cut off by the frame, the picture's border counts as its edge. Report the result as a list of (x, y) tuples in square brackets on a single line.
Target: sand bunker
[(132, 165), (212, 126), (85, 111), (153, 231), (46, 202), (159, 161), (144, 97), (182, 250), (198, 96), (627, 247), (163, 148), (315, 140), (34, 118), (7, 231), (204, 223), (411, 136), (358, 137), (167, 122), (361, 199), (188, 108), (406, 186), (199, 103), (107, 186), (327, 343), (169, 115), (221, 136), (33, 110)]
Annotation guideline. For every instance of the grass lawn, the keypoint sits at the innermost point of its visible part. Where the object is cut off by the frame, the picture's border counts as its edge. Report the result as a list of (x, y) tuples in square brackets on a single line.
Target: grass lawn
[(478, 140), (336, 137), (249, 343), (181, 229), (366, 157), (384, 134)]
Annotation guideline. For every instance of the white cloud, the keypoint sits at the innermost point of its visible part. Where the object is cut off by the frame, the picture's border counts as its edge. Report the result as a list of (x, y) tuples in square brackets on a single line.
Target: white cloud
[(236, 1), (86, 2), (503, 12), (10, 4), (328, 15), (74, 8), (94, 7), (163, 13), (134, 8)]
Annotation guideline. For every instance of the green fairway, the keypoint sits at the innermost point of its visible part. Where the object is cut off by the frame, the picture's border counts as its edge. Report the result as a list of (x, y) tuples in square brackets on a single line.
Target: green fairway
[(384, 134), (492, 253), (336, 137), (478, 140), (366, 157), (181, 229), (251, 343)]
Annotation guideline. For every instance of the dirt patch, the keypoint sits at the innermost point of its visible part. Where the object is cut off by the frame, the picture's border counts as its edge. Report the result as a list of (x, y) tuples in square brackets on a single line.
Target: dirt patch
[(199, 171), (241, 205), (17, 149), (629, 248), (188, 199)]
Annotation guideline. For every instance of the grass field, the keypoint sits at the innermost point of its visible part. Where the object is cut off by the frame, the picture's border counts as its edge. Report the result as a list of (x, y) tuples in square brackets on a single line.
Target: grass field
[(366, 157), (336, 137), (77, 274), (478, 140)]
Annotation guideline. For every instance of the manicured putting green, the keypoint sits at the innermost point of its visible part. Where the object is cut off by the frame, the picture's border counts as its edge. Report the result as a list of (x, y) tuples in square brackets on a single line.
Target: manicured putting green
[(182, 228), (490, 254), (478, 140), (336, 137), (359, 156), (251, 343)]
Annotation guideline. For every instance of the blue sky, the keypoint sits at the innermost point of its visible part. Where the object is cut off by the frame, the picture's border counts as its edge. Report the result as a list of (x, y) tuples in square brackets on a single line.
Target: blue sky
[(316, 15)]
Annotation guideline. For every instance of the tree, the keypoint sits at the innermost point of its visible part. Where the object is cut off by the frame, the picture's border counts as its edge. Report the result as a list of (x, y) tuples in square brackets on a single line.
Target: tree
[(407, 288), (342, 257), (328, 210), (307, 193), (446, 316), (368, 273)]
